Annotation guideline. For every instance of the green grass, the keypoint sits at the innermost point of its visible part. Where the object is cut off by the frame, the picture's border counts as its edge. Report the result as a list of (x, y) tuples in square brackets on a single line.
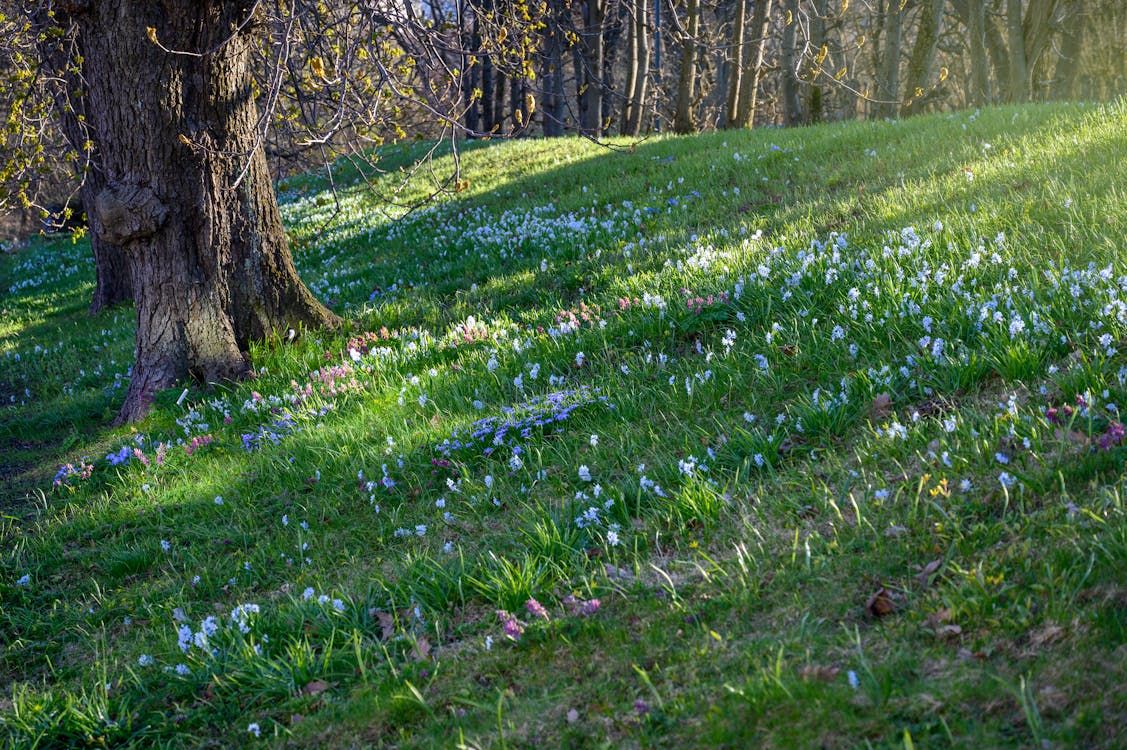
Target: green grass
[(799, 437)]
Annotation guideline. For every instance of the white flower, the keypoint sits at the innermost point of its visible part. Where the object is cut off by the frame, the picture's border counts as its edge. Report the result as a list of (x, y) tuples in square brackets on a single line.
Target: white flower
[(218, 500), (584, 473), (145, 660), (594, 440), (24, 580), (308, 593), (254, 729), (165, 545)]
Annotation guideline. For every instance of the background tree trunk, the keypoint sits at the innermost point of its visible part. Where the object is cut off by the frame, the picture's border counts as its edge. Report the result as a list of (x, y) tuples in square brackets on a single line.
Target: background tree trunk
[(1068, 66), (922, 62), (753, 70), (638, 68), (210, 262), (594, 21), (973, 15), (686, 83), (792, 94), (553, 107), (888, 76), (1018, 83), (112, 282), (819, 52), (735, 63)]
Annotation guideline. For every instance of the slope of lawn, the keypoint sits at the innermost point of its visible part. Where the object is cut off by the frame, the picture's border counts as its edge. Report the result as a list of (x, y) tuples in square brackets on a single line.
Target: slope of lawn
[(783, 438)]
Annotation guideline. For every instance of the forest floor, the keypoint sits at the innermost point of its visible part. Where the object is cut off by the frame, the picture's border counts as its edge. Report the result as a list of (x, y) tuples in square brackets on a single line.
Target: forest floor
[(781, 438)]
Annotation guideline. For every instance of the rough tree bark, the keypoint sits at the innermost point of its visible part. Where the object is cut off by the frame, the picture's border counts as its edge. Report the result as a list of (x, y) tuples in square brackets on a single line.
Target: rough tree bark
[(188, 194), (112, 283), (756, 43), (638, 68), (888, 76), (686, 83), (591, 107), (735, 64), (1018, 89), (792, 94), (552, 110), (921, 64)]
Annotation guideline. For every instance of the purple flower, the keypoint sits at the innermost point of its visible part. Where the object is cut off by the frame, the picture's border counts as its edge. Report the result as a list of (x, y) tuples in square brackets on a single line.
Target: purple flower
[(536, 609), (510, 625), (1113, 436), (641, 707), (580, 607)]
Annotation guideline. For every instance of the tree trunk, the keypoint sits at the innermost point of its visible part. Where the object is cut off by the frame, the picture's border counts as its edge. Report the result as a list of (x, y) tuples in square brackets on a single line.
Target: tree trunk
[(888, 77), (1067, 67), (820, 52), (593, 49), (552, 108), (686, 84), (735, 64), (792, 95), (639, 68), (753, 63), (922, 61), (112, 282), (1018, 84), (210, 263), (975, 21)]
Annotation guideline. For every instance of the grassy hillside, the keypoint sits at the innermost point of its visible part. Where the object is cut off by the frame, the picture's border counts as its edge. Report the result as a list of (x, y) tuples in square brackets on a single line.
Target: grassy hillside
[(782, 438)]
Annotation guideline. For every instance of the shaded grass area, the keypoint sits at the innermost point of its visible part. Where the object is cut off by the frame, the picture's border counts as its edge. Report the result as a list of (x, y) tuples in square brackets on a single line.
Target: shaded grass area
[(798, 437)]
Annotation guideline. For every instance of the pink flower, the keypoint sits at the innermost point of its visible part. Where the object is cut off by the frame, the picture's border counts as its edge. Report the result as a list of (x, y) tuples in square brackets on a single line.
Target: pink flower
[(512, 627), (536, 609)]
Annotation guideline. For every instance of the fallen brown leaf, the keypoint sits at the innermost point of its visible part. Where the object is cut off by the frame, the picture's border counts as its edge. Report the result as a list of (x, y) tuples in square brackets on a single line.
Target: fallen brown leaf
[(1046, 635), (880, 603), (421, 652), (949, 631), (387, 624), (818, 672), (1072, 436), (924, 576), (316, 687), (881, 406)]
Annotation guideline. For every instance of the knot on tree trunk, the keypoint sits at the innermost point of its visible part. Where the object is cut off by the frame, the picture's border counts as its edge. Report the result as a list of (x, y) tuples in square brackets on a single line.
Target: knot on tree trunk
[(128, 212)]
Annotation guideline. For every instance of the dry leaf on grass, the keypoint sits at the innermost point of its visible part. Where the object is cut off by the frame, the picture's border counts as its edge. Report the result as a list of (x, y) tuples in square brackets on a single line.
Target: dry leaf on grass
[(387, 624), (818, 672), (421, 652), (316, 687), (880, 603), (881, 406), (924, 576), (1072, 436)]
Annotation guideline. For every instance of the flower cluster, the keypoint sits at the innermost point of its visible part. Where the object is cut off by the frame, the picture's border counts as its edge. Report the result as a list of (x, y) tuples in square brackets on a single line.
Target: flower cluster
[(520, 421)]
